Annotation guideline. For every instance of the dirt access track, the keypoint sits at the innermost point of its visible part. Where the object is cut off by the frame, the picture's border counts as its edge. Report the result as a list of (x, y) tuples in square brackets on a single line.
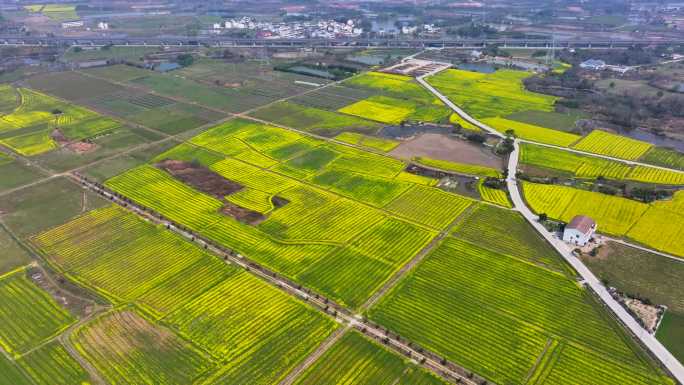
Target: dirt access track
[(441, 147)]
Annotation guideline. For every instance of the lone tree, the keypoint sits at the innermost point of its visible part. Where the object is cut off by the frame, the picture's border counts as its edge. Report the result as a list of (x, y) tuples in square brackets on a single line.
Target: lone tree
[(543, 217)]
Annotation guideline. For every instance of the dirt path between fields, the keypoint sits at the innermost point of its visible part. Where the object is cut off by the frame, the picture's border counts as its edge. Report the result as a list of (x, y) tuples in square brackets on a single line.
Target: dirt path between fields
[(413, 262), (313, 357)]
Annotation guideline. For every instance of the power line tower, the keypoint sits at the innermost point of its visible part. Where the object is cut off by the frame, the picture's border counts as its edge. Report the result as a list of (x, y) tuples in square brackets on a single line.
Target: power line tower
[(551, 53)]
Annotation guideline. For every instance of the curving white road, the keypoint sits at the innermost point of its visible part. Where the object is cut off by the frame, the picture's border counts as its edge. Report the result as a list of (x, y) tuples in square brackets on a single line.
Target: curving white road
[(589, 279)]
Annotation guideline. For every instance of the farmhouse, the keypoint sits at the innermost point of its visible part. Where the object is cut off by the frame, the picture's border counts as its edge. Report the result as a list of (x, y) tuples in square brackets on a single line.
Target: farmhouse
[(579, 230)]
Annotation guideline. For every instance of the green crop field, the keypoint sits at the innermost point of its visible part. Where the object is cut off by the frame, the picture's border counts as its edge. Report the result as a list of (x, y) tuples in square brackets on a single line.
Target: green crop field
[(662, 226), (585, 166), (580, 165), (54, 201), (376, 143), (429, 206), (654, 175), (312, 119), (659, 224), (614, 215), (356, 360), (493, 195), (11, 374), (373, 190), (102, 246), (176, 282), (461, 168), (392, 85), (502, 317), (129, 349), (532, 132), (15, 173), (317, 231), (390, 110), (28, 315), (13, 254), (260, 332), (52, 364), (670, 333), (457, 119), (646, 275), (605, 143), (664, 157), (490, 95), (29, 129), (507, 232), (556, 120)]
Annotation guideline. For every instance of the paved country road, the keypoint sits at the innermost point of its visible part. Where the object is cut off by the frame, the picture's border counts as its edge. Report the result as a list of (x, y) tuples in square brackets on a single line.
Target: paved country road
[(589, 279)]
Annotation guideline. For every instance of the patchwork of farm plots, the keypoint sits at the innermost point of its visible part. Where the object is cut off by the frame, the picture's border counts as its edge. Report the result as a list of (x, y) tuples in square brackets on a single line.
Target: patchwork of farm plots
[(165, 114), (395, 98), (161, 279), (40, 121), (312, 119), (510, 321), (659, 225), (583, 166), (337, 219)]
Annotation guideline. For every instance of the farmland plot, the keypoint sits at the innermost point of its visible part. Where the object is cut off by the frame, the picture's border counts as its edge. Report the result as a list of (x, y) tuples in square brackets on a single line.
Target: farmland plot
[(489, 95), (662, 227), (373, 190), (493, 195), (460, 168), (654, 175), (605, 143), (614, 215), (312, 119), (128, 349), (664, 157), (103, 246), (507, 232), (381, 144), (28, 315), (30, 128), (429, 206), (580, 165), (11, 374), (356, 360), (532, 132), (51, 364), (259, 332), (390, 110), (463, 302)]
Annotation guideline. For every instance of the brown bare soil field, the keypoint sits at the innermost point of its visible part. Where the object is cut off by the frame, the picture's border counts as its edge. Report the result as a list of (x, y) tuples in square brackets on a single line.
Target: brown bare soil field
[(200, 178), (242, 214), (438, 146)]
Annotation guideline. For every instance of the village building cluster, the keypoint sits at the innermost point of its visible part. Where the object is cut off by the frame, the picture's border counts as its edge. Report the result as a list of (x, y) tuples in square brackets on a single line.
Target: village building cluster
[(326, 29)]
